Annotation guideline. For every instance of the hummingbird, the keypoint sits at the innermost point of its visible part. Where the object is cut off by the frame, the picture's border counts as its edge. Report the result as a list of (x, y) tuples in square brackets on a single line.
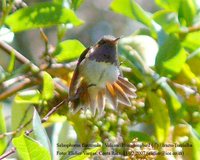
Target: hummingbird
[(97, 79)]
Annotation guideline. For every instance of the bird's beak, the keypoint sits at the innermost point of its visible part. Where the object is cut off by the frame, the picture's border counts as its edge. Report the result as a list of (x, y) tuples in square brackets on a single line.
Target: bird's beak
[(116, 40)]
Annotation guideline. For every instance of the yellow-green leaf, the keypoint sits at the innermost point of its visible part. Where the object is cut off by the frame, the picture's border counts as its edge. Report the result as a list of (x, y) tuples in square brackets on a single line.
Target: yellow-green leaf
[(172, 5), (48, 86), (68, 50), (41, 15), (160, 116), (29, 149), (171, 57), (2, 130), (28, 97), (132, 10)]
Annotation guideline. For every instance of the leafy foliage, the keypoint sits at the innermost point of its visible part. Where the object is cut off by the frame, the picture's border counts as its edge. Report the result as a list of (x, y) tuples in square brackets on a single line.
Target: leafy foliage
[(68, 50), (162, 60), (29, 149), (41, 15)]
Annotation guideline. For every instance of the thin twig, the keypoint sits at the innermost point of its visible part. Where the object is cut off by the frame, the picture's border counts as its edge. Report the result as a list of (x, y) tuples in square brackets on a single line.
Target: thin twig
[(16, 131), (190, 30), (10, 152), (53, 110), (44, 37), (12, 81), (25, 83), (9, 50)]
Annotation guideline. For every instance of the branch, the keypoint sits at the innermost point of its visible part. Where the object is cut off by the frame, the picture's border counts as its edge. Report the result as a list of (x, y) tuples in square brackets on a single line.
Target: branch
[(44, 119), (10, 152), (10, 50), (25, 83), (190, 29), (28, 82), (53, 110)]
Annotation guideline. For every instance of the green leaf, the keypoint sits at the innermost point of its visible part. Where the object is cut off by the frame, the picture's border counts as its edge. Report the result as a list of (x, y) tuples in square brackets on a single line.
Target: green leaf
[(168, 20), (28, 97), (171, 57), (146, 46), (192, 41), (195, 139), (187, 11), (48, 87), (41, 15), (29, 149), (21, 114), (40, 132), (2, 130), (68, 50), (186, 76), (86, 154), (173, 103), (75, 4), (136, 67), (132, 10), (169, 4), (193, 61), (160, 116), (11, 63)]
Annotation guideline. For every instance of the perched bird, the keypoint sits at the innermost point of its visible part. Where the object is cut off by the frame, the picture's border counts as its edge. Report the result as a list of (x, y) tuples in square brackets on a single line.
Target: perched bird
[(97, 78)]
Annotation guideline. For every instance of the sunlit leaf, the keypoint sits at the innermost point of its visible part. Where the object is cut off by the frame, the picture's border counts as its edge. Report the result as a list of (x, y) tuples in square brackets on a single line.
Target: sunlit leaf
[(39, 131), (170, 60), (193, 61), (22, 113), (29, 149), (2, 130), (48, 86), (11, 63), (28, 96), (187, 11), (169, 4), (168, 20), (136, 67), (192, 40), (132, 10), (41, 15), (75, 4), (68, 50), (195, 138), (160, 116), (146, 46), (172, 100), (186, 76)]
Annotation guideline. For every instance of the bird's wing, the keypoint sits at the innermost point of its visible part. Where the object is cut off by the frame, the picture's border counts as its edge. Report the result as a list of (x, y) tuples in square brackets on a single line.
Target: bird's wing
[(75, 81)]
